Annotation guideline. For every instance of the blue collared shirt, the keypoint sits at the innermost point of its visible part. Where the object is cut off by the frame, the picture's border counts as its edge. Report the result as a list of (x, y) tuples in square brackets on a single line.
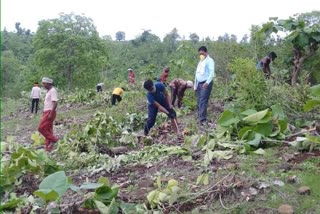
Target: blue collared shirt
[(208, 72)]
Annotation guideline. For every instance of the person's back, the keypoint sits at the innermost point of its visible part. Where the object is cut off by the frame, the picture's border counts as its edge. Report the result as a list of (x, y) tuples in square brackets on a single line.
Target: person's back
[(264, 63), (164, 75), (117, 91), (116, 95), (35, 96), (157, 94)]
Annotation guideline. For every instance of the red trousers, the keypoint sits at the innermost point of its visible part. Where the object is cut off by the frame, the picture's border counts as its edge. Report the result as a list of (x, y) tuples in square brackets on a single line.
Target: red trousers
[(46, 127)]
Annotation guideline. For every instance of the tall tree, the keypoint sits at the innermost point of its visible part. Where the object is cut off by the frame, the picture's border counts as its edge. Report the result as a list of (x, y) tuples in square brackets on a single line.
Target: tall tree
[(194, 37), (120, 36), (304, 37), (70, 48)]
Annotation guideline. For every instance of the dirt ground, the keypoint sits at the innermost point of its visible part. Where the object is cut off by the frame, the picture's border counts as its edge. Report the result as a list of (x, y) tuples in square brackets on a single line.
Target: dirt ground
[(227, 184)]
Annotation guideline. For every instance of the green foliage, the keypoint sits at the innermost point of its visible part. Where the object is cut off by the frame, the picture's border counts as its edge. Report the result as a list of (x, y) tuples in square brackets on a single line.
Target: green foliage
[(168, 193), (253, 127), (70, 50), (22, 161), (249, 86), (53, 187), (314, 101)]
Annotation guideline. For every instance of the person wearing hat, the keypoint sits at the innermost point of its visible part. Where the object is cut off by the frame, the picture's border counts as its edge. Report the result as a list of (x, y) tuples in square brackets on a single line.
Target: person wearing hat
[(131, 76), (35, 97), (178, 87), (49, 114)]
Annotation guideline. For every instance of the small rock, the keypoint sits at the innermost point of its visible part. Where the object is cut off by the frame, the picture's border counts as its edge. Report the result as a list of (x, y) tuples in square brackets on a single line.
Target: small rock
[(285, 209), (304, 190), (292, 179), (285, 167), (231, 166), (278, 183), (253, 191)]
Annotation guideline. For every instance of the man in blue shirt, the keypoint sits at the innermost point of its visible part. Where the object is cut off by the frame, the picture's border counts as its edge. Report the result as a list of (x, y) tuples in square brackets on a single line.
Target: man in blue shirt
[(203, 83), (158, 99)]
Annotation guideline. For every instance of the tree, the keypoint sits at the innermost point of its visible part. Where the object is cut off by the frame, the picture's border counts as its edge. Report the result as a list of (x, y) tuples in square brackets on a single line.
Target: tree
[(171, 40), (120, 36), (69, 48), (304, 37), (194, 37)]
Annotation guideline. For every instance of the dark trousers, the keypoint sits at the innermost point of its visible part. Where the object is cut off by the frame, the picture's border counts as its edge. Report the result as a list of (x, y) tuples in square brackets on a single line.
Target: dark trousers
[(114, 98), (99, 88), (152, 115), (203, 96), (173, 95), (35, 105)]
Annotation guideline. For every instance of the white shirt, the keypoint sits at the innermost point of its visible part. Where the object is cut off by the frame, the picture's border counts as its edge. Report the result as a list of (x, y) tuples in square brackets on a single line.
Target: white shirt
[(35, 92)]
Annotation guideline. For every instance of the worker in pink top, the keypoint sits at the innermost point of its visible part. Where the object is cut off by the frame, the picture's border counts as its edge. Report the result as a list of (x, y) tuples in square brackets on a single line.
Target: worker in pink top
[(49, 114), (165, 75)]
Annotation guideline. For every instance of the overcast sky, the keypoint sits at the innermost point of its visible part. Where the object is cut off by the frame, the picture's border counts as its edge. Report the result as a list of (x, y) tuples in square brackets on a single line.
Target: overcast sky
[(205, 17)]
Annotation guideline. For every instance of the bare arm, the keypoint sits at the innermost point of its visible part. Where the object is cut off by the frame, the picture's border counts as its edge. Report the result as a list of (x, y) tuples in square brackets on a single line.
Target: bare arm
[(55, 104), (167, 98), (160, 107)]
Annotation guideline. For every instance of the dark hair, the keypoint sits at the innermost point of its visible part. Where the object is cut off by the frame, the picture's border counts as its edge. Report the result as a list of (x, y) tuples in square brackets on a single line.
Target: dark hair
[(36, 83), (203, 48), (148, 84), (273, 55), (122, 88)]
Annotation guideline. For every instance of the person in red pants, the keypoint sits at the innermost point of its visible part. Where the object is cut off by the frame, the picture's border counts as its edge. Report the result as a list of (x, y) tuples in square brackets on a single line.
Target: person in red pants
[(49, 114)]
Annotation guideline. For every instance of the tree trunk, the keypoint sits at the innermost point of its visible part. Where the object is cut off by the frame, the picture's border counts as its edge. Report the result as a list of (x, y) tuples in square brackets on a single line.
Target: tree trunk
[(297, 63)]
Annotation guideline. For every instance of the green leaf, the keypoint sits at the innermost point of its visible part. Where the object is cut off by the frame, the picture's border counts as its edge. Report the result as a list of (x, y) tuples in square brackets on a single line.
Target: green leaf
[(315, 90), (162, 196), (47, 194), (228, 118), (91, 185), (172, 182), (313, 139), (265, 129), (57, 181), (203, 178), (277, 112), (106, 194), (311, 104), (259, 151), (243, 132), (256, 141), (207, 157), (11, 204), (104, 180), (248, 112), (153, 198), (222, 154), (101, 207), (256, 117)]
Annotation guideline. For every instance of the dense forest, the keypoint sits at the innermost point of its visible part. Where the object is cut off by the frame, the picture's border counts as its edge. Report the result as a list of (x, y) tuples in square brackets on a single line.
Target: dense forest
[(70, 50), (259, 152)]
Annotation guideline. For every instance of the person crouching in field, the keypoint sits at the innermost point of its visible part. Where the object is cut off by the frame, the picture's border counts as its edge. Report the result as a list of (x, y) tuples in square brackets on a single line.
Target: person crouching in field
[(116, 95), (178, 87), (49, 114), (158, 100)]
